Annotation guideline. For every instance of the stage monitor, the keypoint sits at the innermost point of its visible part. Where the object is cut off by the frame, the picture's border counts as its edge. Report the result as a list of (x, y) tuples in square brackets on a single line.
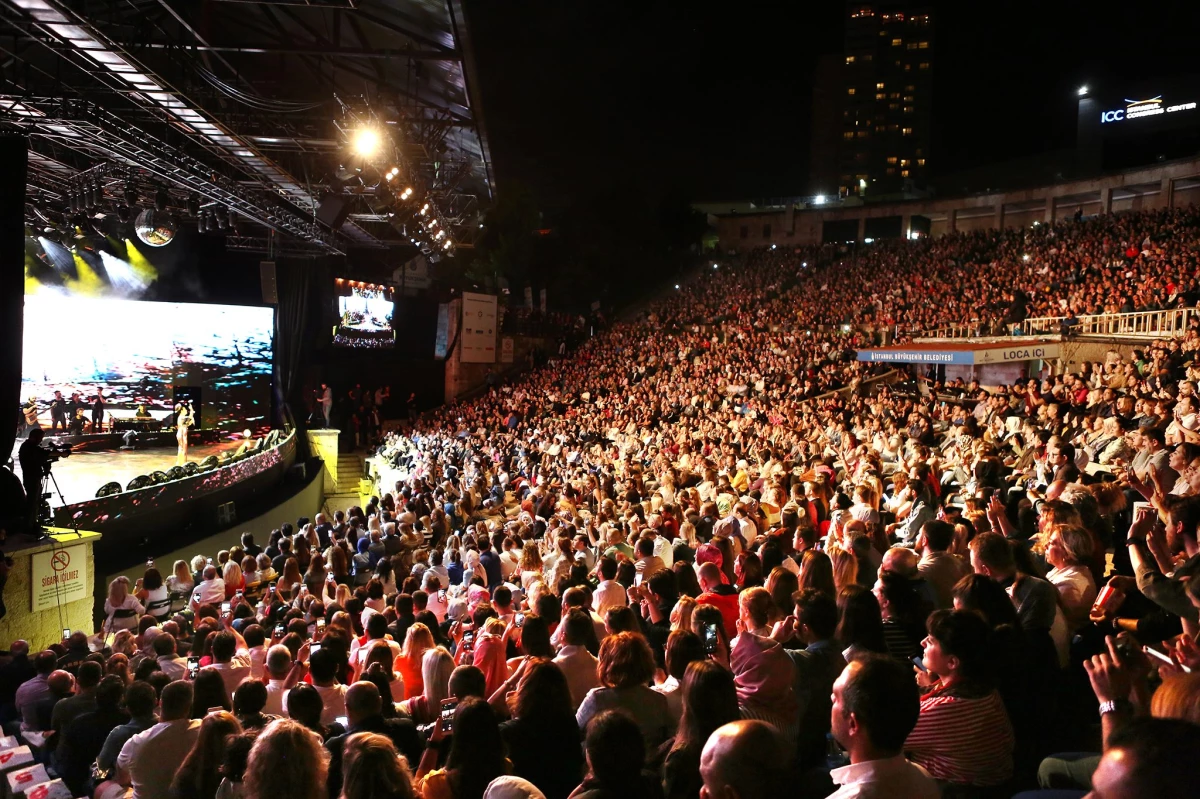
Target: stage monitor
[(138, 353), (364, 315)]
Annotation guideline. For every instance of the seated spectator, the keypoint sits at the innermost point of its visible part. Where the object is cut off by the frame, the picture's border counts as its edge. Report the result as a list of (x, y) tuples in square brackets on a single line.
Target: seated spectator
[(199, 774), (149, 760), (626, 668), (709, 702), (363, 713), (82, 739), (616, 756), (744, 758), (576, 662), (875, 708), (962, 735), (542, 737), (373, 768), (1150, 757), (476, 757), (287, 759)]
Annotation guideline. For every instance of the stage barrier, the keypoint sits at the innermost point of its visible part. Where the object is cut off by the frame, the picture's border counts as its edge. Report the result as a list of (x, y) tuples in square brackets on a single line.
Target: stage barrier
[(51, 587)]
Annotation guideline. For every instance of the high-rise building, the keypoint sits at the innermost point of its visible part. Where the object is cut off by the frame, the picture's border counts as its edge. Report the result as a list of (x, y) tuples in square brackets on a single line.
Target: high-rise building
[(886, 98)]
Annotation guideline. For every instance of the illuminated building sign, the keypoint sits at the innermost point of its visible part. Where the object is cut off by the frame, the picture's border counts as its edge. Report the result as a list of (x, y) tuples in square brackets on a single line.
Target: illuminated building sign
[(1136, 109)]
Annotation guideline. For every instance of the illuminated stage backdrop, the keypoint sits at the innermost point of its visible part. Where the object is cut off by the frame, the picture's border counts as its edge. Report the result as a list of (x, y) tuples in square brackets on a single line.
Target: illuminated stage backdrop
[(136, 351)]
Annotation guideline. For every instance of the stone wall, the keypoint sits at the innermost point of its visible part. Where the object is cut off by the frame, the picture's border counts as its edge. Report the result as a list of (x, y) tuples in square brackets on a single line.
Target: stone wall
[(44, 627)]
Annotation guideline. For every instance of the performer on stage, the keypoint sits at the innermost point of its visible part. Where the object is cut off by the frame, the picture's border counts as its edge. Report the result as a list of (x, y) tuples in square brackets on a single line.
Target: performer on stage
[(30, 412), (98, 411), (58, 412), (183, 421)]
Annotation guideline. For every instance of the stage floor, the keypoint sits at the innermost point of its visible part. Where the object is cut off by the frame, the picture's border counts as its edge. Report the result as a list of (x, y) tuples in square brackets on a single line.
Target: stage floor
[(82, 474)]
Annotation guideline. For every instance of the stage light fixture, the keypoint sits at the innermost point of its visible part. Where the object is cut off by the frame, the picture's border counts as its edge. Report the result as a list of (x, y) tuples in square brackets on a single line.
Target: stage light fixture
[(819, 199), (193, 204), (97, 196), (131, 195), (1083, 90), (366, 142), (222, 220), (161, 199), (447, 245), (232, 221)]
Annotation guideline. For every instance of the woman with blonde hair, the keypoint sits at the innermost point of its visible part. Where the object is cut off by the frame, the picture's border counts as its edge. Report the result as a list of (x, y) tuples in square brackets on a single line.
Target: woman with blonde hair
[(181, 582), (681, 614), (234, 580), (436, 668), (410, 662), (1177, 698), (288, 760), (845, 567), (530, 565), (121, 609), (373, 769)]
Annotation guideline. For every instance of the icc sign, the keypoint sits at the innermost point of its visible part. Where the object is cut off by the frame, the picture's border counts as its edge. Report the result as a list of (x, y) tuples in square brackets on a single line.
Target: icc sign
[(1112, 116)]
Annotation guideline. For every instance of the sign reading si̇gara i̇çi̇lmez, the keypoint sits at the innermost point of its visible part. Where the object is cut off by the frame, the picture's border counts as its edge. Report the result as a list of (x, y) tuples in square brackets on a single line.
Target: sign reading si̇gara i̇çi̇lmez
[(59, 576)]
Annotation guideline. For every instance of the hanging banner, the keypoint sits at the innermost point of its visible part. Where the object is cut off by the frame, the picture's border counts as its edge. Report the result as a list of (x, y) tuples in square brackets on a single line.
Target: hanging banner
[(506, 350), (478, 328), (441, 341)]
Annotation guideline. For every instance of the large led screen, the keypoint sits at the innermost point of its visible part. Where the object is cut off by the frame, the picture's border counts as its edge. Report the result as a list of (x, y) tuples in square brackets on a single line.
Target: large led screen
[(138, 352), (364, 316)]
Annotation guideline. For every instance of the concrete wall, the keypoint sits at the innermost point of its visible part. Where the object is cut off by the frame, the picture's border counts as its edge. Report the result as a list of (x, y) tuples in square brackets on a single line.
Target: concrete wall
[(307, 503), (45, 627), (1173, 184), (324, 444)]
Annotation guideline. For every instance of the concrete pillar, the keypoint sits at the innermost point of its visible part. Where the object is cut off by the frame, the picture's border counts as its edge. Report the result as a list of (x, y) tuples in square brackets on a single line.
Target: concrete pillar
[(1166, 196), (862, 228), (1049, 210), (999, 223), (1106, 200), (952, 220)]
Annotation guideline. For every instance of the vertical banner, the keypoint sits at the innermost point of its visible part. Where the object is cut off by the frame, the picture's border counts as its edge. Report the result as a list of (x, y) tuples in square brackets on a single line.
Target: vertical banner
[(441, 341), (542, 298), (478, 328), (506, 350), (529, 297)]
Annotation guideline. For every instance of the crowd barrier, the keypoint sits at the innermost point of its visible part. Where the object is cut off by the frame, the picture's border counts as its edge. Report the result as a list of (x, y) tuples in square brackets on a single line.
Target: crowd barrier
[(1139, 325)]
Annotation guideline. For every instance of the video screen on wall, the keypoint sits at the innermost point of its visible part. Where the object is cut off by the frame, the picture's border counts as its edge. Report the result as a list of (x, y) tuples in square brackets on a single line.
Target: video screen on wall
[(138, 352), (364, 315)]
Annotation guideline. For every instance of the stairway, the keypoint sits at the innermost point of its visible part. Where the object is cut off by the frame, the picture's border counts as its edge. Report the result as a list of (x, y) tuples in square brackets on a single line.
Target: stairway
[(346, 495)]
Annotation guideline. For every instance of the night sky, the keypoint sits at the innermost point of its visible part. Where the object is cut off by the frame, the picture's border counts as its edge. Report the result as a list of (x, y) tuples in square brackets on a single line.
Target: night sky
[(712, 100)]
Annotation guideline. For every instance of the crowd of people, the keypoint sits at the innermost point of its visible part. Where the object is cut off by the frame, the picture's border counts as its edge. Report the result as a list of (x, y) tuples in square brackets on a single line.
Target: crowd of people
[(704, 555)]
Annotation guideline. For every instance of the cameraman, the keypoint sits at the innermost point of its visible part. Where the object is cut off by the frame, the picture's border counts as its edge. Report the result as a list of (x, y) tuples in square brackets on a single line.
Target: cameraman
[(34, 461)]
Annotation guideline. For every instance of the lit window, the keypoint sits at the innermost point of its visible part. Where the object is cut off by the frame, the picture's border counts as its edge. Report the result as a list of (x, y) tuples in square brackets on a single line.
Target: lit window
[(849, 59), (850, 92), (904, 173), (848, 135), (903, 162), (881, 96), (862, 134), (908, 109), (893, 106), (897, 42), (891, 170), (878, 85), (908, 98), (924, 45), (892, 160), (908, 67), (895, 95), (911, 46), (906, 132), (920, 162), (924, 65)]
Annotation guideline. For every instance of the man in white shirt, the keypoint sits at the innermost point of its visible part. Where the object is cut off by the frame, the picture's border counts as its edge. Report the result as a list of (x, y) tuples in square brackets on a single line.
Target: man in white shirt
[(609, 593), (231, 659), (875, 707), (576, 598), (210, 590), (149, 760), (323, 667), (577, 664), (169, 662), (278, 666), (662, 545)]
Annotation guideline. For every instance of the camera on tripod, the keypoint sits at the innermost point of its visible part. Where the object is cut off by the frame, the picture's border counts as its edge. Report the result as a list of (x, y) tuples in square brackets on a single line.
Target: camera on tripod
[(56, 452)]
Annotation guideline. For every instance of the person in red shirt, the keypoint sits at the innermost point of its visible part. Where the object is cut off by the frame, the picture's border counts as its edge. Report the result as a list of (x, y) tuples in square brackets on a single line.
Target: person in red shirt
[(719, 594)]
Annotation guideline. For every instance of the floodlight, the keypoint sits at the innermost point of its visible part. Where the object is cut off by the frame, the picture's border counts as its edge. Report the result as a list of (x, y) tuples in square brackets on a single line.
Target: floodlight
[(366, 142)]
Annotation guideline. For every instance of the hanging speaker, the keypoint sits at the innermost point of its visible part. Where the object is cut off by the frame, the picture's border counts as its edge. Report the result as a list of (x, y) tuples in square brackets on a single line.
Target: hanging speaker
[(266, 273), (332, 211)]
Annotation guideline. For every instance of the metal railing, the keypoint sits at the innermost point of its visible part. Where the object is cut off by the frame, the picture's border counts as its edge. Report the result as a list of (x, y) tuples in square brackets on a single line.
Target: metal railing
[(1139, 324)]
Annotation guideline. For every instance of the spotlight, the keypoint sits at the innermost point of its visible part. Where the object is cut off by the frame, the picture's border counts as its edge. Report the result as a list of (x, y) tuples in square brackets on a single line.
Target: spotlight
[(366, 142), (1083, 90), (447, 245), (222, 220), (131, 195), (819, 199), (193, 204), (97, 195), (424, 209), (161, 198), (232, 221)]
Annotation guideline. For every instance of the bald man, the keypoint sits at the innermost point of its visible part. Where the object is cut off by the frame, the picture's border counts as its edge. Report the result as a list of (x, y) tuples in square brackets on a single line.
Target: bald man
[(364, 707), (744, 759), (1149, 757)]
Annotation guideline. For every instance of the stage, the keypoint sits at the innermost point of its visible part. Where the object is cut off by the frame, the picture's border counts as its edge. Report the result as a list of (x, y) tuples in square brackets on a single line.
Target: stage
[(80, 475)]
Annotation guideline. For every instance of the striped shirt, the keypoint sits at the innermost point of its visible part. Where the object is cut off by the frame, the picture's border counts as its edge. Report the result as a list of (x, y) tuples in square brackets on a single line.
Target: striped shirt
[(963, 738)]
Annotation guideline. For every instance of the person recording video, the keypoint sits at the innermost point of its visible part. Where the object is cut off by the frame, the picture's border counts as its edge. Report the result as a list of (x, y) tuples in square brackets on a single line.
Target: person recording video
[(34, 461)]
